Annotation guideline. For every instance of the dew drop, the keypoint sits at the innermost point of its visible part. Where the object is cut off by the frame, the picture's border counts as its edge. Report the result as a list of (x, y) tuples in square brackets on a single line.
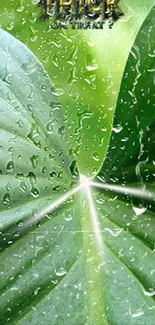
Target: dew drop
[(73, 168), (59, 90), (139, 211), (103, 129), (6, 198), (11, 149), (96, 156), (56, 188), (117, 129), (34, 160), (61, 272), (34, 192), (36, 291), (114, 232), (68, 217), (20, 123), (44, 170), (49, 127), (10, 166), (92, 67), (149, 293), (30, 109)]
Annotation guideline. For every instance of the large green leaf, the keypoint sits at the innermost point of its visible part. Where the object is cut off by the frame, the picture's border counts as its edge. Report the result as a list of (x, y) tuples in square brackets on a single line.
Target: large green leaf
[(85, 66), (36, 161), (131, 149), (67, 258)]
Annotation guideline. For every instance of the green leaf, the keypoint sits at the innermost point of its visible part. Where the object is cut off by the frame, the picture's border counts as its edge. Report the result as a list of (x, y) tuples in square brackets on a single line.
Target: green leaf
[(76, 255), (131, 149), (86, 68), (36, 162)]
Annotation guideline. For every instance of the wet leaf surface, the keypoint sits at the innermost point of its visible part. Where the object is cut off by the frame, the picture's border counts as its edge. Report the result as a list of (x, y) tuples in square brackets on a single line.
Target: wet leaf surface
[(131, 147), (85, 67), (73, 250)]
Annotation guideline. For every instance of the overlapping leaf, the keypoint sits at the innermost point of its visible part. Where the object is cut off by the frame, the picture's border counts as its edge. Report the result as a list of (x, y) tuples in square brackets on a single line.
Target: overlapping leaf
[(131, 149), (92, 261), (35, 160)]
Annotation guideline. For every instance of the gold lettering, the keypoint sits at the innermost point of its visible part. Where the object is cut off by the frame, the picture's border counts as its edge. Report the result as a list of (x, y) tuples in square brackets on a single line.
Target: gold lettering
[(65, 3)]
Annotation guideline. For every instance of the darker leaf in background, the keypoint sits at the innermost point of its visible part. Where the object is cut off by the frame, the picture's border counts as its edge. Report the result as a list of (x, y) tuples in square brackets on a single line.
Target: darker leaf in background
[(129, 225), (131, 154)]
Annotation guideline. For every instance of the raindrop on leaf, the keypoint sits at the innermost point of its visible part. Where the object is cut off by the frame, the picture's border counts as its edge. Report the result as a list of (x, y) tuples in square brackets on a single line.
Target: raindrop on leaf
[(61, 272), (10, 166), (6, 198), (96, 156), (34, 192)]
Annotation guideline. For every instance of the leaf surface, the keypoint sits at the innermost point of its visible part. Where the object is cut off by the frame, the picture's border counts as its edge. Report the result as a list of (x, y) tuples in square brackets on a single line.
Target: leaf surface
[(36, 162), (131, 148), (84, 70), (70, 253)]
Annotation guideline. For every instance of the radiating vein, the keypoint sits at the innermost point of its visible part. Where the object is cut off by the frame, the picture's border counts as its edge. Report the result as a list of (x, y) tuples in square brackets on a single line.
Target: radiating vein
[(133, 191)]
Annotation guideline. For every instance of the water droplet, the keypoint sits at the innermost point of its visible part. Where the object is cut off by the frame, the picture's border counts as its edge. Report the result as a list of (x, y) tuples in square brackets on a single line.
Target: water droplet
[(59, 91), (56, 60), (34, 192), (21, 8), (34, 160), (30, 109), (44, 170), (92, 67), (60, 174), (36, 275), (10, 26), (49, 127), (36, 291), (56, 188), (31, 92), (139, 211), (20, 123), (11, 149), (33, 135), (6, 198), (61, 131), (96, 156), (117, 129), (20, 223), (23, 186), (73, 168), (149, 293), (61, 272), (103, 129), (114, 232), (91, 64), (68, 217), (138, 314), (10, 166), (53, 174), (125, 139)]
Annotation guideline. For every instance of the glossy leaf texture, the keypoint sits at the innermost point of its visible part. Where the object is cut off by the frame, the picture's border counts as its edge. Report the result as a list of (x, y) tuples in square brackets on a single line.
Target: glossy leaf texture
[(36, 161), (129, 169), (131, 154), (84, 258), (85, 66)]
